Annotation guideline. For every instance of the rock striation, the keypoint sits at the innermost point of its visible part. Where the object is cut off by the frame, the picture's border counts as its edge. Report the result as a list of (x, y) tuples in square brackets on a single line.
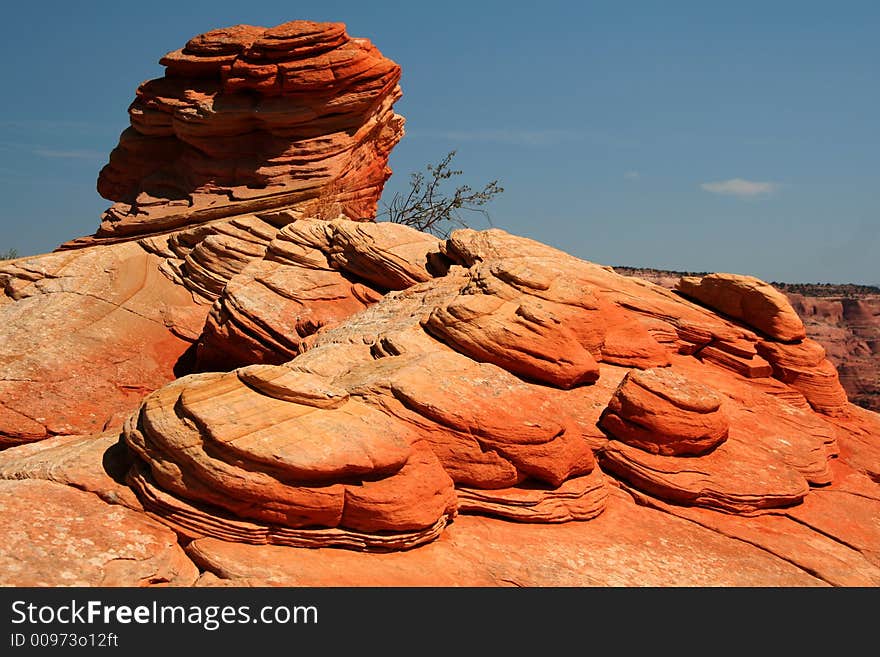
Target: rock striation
[(844, 319), (249, 130), (848, 327), (477, 364), (249, 119), (662, 412), (749, 299)]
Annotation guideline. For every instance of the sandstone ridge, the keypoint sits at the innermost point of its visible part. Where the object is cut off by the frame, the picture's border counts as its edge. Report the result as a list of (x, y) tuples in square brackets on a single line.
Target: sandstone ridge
[(496, 377), (843, 319)]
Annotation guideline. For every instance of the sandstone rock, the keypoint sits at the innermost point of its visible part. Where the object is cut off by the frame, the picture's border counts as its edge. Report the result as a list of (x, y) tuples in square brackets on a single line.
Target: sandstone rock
[(849, 518), (749, 299), (55, 535), (389, 256), (96, 464), (733, 478), (849, 329), (215, 440), (578, 498), (204, 258), (627, 545), (85, 334), (512, 446), (468, 411), (194, 521), (856, 434), (827, 557), (310, 279), (630, 344), (664, 413), (249, 119), (751, 366), (266, 313), (221, 153), (525, 338), (380, 390), (805, 368)]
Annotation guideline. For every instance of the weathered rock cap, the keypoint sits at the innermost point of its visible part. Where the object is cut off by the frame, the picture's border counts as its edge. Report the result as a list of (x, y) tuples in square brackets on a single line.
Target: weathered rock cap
[(748, 299), (663, 412)]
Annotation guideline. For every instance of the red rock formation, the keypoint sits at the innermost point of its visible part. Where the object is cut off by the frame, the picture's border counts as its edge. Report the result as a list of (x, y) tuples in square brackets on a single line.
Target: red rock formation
[(85, 334), (381, 434), (289, 450), (844, 319), (424, 404), (753, 301), (664, 413), (286, 122), (249, 119), (55, 535), (849, 329), (314, 275), (691, 431)]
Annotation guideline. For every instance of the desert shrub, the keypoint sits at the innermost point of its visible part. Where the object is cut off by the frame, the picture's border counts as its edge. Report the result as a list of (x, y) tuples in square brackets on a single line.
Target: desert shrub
[(428, 207)]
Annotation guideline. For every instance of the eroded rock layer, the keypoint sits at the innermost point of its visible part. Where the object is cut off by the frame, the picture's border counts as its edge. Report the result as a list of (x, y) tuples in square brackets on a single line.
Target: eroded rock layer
[(249, 119), (508, 365), (749, 299), (662, 412), (251, 129)]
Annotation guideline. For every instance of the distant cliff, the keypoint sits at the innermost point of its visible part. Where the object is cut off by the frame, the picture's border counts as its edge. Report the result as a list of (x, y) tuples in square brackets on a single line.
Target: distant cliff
[(845, 319)]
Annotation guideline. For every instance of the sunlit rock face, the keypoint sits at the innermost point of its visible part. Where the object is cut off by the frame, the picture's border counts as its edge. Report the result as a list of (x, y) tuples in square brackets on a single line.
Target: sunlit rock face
[(507, 378), (250, 119), (249, 130)]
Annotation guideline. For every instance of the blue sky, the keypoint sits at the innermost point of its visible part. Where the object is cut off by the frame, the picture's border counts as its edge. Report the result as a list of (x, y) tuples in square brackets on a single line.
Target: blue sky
[(739, 137)]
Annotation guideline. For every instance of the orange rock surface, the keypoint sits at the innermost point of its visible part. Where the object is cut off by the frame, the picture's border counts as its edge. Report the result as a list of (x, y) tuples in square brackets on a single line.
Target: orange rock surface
[(749, 299), (249, 119), (249, 130)]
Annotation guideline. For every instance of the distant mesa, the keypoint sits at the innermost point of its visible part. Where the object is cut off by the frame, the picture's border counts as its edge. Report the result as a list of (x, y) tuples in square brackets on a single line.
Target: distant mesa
[(242, 379), (843, 319)]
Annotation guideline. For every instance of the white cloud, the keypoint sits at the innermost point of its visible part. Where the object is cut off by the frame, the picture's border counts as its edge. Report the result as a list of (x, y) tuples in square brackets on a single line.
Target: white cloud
[(632, 175), (740, 188)]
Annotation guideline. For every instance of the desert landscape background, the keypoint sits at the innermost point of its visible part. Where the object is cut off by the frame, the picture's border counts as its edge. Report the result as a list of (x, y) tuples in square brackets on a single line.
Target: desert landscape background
[(844, 318)]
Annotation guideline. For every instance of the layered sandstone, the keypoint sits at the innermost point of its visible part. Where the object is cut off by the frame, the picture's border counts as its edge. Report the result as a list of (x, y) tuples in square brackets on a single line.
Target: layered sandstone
[(844, 319), (249, 119), (479, 363), (381, 431), (249, 130), (749, 299), (849, 329), (665, 413)]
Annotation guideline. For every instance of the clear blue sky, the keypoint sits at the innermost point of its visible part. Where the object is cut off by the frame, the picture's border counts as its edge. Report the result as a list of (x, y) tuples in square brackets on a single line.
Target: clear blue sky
[(724, 136)]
